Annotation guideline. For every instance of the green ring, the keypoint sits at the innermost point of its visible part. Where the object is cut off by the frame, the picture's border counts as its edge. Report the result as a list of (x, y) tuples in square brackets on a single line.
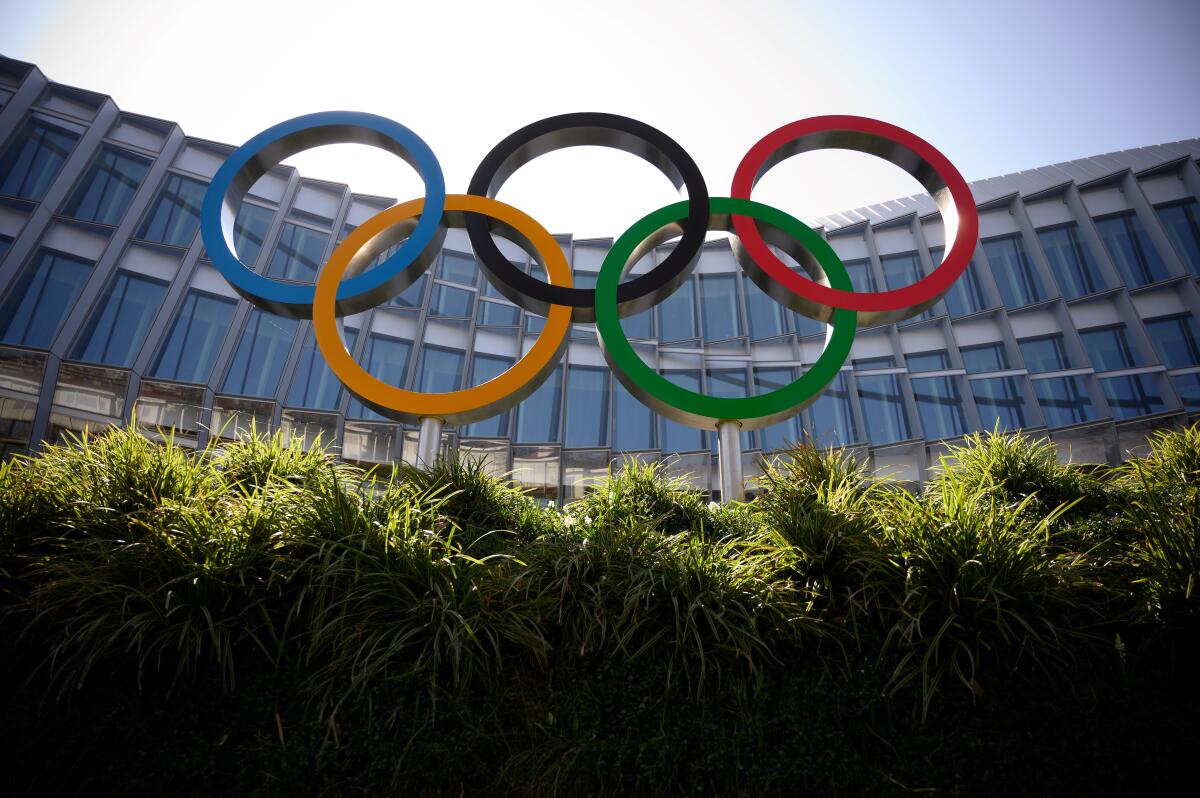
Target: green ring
[(699, 410)]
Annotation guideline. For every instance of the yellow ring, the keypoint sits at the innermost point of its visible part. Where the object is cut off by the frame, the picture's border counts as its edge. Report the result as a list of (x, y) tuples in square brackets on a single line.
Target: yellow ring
[(469, 404)]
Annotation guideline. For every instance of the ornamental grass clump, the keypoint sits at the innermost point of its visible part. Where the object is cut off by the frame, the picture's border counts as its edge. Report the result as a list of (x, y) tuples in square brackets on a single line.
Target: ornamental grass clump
[(1164, 510), (975, 591), (820, 504)]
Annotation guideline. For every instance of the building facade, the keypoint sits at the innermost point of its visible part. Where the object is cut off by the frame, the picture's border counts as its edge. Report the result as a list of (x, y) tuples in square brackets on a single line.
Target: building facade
[(1077, 317)]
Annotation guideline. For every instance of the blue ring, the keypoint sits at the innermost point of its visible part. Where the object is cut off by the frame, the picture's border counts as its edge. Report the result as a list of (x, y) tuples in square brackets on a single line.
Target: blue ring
[(266, 150)]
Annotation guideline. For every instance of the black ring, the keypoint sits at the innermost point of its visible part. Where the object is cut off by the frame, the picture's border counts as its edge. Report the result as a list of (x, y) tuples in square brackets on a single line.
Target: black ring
[(603, 130)]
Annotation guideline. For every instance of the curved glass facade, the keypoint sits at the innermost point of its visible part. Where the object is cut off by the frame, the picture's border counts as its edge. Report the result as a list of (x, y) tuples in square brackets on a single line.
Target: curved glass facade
[(1077, 318)]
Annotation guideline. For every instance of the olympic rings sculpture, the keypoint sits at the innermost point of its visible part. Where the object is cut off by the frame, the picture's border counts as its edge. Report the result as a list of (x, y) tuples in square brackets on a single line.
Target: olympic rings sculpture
[(348, 283)]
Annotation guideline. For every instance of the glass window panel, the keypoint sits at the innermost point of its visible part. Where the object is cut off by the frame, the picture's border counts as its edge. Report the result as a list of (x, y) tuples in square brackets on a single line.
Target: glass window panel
[(440, 370), (785, 433), (677, 314), (107, 186), (729, 383), (41, 298), (678, 437), (1132, 395), (940, 406), (498, 313), (412, 296), (250, 231), (900, 271), (633, 425), (299, 253), (861, 276), (719, 307), (537, 416), (175, 214), (195, 338), (1064, 400), (484, 368), (118, 325), (33, 159), (314, 384), (1177, 339), (832, 416), (765, 314), (984, 358), (1108, 348), (491, 290), (386, 359), (966, 294), (1182, 222), (873, 363), (883, 408), (534, 324), (587, 407), (806, 326), (261, 355), (638, 325), (927, 361), (458, 267), (1129, 246), (1044, 353), (1000, 403), (582, 279), (1188, 388), (1071, 262), (450, 301), (1013, 270)]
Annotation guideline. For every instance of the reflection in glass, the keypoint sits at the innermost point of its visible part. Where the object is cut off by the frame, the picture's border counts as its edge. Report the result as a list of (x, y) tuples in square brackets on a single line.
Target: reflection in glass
[(261, 355), (677, 314), (719, 307), (765, 314), (537, 416), (195, 338), (1188, 388), (1177, 339), (107, 186), (1132, 395), (935, 360), (966, 294), (1064, 400), (1071, 261), (984, 357), (33, 159), (1182, 222), (458, 267), (861, 276), (118, 325), (440, 369), (883, 408), (901, 271), (386, 359), (678, 437), (633, 424), (250, 231), (785, 433), (939, 406), (485, 368), (1014, 273), (42, 297), (299, 253), (587, 407), (832, 416), (450, 301), (1129, 246), (1108, 348), (498, 314), (314, 384), (175, 215), (1044, 353), (1000, 402)]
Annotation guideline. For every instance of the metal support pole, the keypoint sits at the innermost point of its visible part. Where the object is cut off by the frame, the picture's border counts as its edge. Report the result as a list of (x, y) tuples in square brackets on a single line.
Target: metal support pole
[(729, 456), (429, 442)]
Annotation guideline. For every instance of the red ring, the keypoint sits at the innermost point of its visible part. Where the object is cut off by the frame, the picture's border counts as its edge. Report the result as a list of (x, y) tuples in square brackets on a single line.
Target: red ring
[(756, 162)]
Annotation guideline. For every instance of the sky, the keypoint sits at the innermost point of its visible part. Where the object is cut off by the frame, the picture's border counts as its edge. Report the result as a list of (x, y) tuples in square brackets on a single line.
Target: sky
[(997, 87)]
